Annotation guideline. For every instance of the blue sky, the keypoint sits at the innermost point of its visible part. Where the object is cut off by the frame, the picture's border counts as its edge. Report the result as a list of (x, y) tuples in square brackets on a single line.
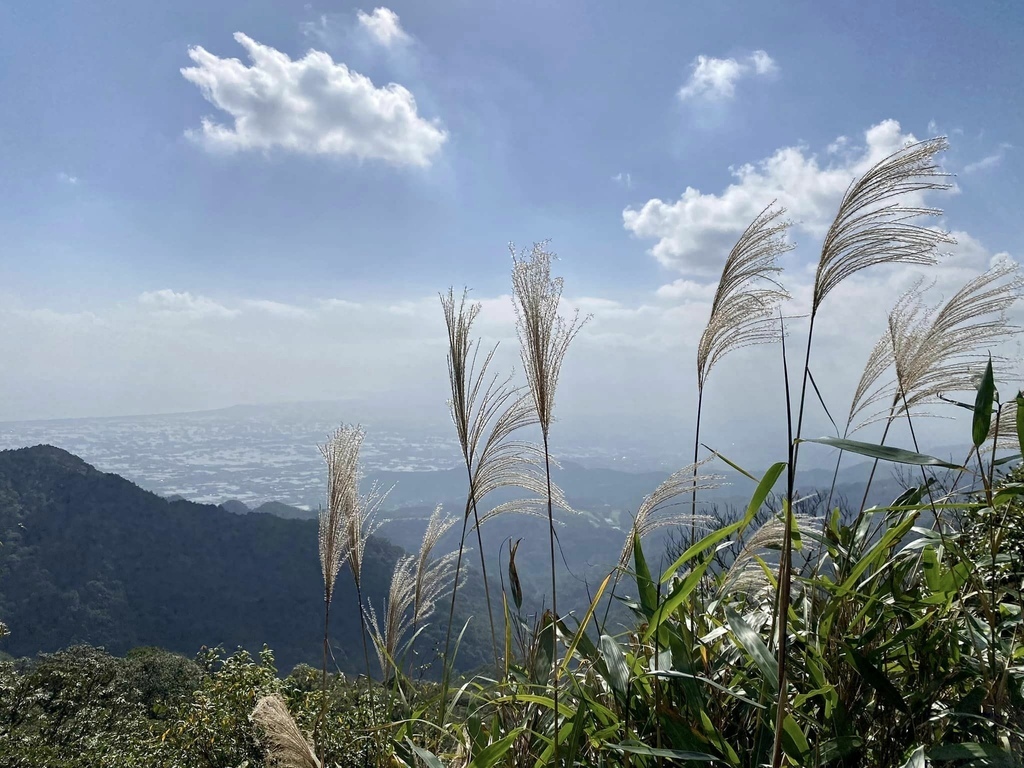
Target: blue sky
[(293, 250)]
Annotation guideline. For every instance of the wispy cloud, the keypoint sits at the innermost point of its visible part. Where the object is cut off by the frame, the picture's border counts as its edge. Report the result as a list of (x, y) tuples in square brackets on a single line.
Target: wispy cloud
[(312, 105), (185, 304), (989, 161), (67, 178), (625, 179), (712, 78)]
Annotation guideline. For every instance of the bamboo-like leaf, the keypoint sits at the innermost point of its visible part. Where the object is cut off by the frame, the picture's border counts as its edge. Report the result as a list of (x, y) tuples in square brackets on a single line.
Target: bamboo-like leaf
[(492, 753), (1019, 402), (615, 659), (983, 406), (429, 758), (582, 629), (978, 754), (639, 748), (877, 679), (882, 452), (751, 642), (644, 583)]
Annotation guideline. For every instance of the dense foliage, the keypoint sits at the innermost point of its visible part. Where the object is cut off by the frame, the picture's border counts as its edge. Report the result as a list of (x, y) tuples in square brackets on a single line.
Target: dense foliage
[(83, 708)]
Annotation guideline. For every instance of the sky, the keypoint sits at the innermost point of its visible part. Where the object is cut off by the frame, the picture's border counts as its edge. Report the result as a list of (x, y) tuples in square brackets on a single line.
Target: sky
[(209, 204)]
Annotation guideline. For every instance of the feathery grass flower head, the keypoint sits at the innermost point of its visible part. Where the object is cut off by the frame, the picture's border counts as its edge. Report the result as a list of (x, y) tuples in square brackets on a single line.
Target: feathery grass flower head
[(873, 226), (341, 454), (741, 313), (544, 335), (418, 582), (350, 518), (658, 510), (287, 747)]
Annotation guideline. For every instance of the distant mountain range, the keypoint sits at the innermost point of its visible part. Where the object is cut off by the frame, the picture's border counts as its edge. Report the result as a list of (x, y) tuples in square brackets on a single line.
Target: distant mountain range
[(90, 557)]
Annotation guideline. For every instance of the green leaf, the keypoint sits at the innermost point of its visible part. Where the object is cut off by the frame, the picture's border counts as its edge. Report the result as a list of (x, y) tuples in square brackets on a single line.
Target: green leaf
[(916, 759), (983, 405), (1020, 420), (581, 631), (615, 659), (794, 741), (429, 758), (644, 582), (752, 643), (874, 677), (513, 574), (735, 466), (882, 452), (492, 753), (639, 748), (978, 754)]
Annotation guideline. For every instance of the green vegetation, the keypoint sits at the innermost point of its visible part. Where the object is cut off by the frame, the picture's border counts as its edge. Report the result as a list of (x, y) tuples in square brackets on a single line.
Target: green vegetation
[(82, 708), (886, 636), (90, 557)]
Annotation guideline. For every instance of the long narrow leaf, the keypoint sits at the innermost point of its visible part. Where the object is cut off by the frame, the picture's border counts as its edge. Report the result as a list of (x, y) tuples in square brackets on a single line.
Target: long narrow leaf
[(882, 452)]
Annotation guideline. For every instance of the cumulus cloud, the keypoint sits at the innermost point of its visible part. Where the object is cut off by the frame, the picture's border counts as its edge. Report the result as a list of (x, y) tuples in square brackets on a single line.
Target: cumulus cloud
[(712, 78), (694, 233), (311, 105), (185, 304), (382, 26)]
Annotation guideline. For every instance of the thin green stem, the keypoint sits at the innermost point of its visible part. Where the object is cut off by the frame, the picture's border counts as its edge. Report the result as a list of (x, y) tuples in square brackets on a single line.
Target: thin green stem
[(483, 567), (554, 594)]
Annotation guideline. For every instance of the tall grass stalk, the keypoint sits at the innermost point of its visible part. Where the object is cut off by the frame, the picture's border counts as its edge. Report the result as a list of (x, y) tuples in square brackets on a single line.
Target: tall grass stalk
[(874, 226), (741, 312), (544, 339)]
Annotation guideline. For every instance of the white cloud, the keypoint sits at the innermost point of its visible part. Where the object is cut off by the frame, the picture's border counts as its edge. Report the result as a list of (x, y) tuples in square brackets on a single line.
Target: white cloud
[(276, 308), (67, 178), (624, 179), (989, 161), (712, 78), (694, 232), (630, 370), (383, 26), (311, 106), (184, 304)]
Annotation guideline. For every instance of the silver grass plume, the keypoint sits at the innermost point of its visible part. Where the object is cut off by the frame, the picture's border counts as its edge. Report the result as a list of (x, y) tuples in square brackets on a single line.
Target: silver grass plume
[(487, 411), (658, 509), (341, 454), (417, 583), (871, 387), (544, 335), (432, 574), (873, 227), (741, 313), (941, 349), (287, 747), (746, 574)]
